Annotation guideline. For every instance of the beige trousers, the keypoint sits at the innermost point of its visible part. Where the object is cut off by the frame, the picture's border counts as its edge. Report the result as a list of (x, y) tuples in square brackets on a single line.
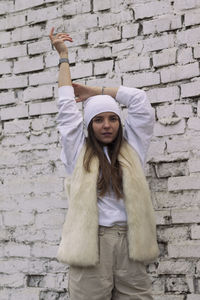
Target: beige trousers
[(116, 277)]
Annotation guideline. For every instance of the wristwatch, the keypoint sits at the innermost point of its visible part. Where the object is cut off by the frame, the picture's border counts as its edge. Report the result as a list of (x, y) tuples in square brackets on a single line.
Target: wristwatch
[(63, 60)]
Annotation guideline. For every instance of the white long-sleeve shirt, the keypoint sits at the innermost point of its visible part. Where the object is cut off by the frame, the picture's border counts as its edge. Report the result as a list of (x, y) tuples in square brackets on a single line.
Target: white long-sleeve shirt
[(138, 129)]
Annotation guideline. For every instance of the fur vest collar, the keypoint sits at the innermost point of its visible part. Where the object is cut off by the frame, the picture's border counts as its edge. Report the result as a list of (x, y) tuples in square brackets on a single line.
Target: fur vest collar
[(79, 243)]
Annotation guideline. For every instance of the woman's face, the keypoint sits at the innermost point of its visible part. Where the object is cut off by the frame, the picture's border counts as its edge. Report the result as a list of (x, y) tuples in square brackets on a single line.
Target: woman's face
[(105, 126)]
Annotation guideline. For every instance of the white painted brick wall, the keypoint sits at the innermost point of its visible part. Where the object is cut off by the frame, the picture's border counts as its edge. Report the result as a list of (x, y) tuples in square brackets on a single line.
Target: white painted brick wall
[(153, 45)]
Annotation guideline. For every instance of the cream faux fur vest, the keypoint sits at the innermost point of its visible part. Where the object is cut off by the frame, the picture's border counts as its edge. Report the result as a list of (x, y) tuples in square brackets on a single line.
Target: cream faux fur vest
[(79, 243)]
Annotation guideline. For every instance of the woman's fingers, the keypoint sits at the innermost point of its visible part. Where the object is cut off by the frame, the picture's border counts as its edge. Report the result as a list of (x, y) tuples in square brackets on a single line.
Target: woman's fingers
[(59, 36)]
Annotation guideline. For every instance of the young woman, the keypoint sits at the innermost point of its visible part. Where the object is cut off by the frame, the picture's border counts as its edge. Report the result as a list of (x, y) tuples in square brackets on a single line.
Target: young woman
[(109, 233)]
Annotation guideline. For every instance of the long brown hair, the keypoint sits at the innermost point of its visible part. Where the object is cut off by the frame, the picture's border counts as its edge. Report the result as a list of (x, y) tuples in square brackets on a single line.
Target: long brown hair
[(110, 174)]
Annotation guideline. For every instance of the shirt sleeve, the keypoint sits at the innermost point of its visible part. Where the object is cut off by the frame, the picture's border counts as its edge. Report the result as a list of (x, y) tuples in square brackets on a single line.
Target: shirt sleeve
[(70, 126), (139, 122)]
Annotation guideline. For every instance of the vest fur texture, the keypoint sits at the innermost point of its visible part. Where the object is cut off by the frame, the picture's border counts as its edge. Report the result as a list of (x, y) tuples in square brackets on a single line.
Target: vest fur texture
[(79, 243)]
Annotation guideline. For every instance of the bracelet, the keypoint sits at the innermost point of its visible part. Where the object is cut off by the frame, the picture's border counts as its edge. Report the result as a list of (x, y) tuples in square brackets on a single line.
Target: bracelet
[(63, 60), (102, 91)]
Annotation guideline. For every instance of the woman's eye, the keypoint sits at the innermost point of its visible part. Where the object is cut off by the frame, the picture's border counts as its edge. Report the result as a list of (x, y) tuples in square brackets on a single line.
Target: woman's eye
[(97, 120), (114, 119)]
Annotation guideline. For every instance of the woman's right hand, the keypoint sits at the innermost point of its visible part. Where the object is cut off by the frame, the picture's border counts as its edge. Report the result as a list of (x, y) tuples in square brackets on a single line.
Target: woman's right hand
[(58, 42), (83, 92)]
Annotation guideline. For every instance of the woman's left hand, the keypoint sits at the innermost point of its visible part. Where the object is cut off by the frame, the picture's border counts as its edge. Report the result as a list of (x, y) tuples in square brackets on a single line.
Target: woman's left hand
[(58, 41)]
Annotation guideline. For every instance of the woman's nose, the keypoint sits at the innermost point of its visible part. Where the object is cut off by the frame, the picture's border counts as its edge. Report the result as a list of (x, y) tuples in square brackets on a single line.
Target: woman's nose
[(106, 123)]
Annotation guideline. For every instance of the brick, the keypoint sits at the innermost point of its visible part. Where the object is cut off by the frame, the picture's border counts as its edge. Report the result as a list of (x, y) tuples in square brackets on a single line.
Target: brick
[(133, 63), (183, 216), (194, 123), (170, 234), (81, 70), (24, 65), (78, 39), (191, 89), (185, 4), (183, 183), (180, 200), (52, 235), (175, 267), (28, 234), (197, 52), (12, 21), (108, 19), (5, 67), (49, 219), (118, 49), (151, 9), (42, 108), (14, 51), (166, 57), (13, 265), (13, 82), (44, 138), (193, 297), (186, 249), (7, 98), (198, 109), (103, 67), (94, 53), (192, 17), (105, 35), (43, 14), (162, 217), (43, 77), (195, 232), (14, 140), (39, 185), (188, 37), (80, 22), (44, 250), (35, 93), (26, 293), (155, 149), (5, 37), (171, 169), (23, 4), (130, 30), (6, 6), (19, 111), (39, 47), (12, 280), (158, 43), (160, 95), (184, 56), (106, 4), (18, 218), (175, 284), (162, 24), (180, 110), (194, 165), (162, 130), (17, 250), (176, 73), (142, 79), (51, 60), (26, 33), (115, 81), (76, 8), (169, 297), (185, 143), (17, 126)]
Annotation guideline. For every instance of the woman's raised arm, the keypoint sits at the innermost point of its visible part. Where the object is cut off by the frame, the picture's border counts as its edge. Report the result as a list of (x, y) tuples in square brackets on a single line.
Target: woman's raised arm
[(57, 41)]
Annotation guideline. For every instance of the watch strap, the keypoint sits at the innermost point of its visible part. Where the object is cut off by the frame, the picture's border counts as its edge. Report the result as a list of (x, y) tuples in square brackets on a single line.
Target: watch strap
[(63, 60)]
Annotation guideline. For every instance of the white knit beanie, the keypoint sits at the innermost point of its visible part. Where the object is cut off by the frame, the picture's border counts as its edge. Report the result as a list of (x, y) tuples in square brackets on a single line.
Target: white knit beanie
[(99, 104)]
